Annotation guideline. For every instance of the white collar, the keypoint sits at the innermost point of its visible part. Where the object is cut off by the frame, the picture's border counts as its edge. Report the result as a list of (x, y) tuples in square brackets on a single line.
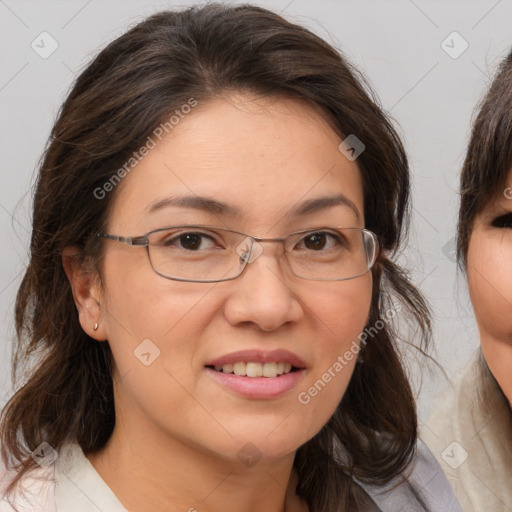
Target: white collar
[(79, 487)]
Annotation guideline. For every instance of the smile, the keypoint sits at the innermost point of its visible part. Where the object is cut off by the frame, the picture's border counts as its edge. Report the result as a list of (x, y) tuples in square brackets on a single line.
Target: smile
[(257, 374), (256, 369)]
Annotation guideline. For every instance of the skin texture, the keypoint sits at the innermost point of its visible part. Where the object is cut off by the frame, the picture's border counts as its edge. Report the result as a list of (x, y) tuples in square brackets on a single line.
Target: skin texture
[(490, 286), (177, 430)]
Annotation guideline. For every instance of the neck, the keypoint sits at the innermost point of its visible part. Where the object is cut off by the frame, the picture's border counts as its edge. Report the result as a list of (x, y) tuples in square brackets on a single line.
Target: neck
[(147, 470)]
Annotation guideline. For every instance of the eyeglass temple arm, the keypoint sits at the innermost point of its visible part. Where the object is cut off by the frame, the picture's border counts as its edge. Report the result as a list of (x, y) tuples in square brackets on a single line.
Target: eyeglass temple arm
[(128, 240)]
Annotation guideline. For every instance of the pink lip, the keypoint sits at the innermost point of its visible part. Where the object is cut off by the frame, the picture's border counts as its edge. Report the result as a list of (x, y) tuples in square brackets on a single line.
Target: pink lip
[(259, 388), (259, 356)]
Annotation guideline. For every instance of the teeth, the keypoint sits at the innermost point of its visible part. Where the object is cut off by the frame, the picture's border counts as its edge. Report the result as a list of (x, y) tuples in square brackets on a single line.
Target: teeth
[(239, 369), (227, 368), (254, 369), (270, 370)]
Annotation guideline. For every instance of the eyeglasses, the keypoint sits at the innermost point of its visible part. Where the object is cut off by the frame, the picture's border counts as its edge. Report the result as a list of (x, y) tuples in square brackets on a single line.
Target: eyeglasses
[(209, 254)]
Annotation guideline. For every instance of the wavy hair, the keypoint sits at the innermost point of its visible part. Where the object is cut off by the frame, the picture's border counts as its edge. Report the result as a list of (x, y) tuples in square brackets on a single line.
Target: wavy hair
[(128, 89)]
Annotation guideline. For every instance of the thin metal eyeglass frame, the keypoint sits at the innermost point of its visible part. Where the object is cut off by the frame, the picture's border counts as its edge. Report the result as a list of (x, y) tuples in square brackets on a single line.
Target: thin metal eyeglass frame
[(143, 241)]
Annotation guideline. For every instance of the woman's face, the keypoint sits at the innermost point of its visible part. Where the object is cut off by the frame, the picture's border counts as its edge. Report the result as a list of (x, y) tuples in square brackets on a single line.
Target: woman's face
[(490, 284), (264, 160)]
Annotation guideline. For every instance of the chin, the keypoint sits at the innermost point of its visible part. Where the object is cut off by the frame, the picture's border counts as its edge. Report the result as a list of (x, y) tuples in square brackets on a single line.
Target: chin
[(254, 445)]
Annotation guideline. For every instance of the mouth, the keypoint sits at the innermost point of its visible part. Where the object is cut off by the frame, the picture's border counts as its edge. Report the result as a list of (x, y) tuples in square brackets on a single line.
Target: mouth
[(255, 369), (258, 374)]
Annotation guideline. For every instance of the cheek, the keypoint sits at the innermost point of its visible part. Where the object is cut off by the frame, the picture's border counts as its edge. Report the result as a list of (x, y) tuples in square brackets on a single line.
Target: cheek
[(345, 310), (155, 336), (163, 318), (489, 270), (141, 303), (341, 317)]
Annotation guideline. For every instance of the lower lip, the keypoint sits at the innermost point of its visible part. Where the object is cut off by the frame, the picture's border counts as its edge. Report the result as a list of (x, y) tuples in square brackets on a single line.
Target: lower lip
[(258, 387)]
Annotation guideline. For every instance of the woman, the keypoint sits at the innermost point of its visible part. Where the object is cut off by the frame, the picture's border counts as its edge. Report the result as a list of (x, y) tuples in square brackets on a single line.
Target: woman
[(213, 225), (471, 431)]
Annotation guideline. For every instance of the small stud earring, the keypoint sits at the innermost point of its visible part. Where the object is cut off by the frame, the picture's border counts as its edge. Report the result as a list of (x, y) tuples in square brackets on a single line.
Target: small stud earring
[(96, 326)]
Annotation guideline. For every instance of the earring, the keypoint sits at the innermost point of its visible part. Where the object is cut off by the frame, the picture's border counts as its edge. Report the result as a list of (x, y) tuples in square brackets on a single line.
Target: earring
[(96, 326)]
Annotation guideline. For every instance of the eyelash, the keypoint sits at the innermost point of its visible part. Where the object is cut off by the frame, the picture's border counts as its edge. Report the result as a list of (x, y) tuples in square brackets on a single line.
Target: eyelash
[(503, 221)]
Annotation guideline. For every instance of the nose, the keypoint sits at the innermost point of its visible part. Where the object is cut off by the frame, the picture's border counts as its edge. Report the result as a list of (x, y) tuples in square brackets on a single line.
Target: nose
[(263, 295)]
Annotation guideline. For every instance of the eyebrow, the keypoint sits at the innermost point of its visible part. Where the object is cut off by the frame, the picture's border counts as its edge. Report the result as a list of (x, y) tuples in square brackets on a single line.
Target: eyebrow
[(221, 208)]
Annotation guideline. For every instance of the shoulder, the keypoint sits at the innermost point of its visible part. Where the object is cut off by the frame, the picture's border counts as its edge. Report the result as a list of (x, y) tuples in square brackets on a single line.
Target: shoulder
[(67, 483), (424, 488), (428, 482), (79, 487), (33, 493), (469, 433), (461, 411), (456, 407)]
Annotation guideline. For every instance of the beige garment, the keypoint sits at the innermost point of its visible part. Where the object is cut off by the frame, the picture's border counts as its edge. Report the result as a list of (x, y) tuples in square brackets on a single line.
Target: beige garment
[(470, 433), (73, 485), (70, 485)]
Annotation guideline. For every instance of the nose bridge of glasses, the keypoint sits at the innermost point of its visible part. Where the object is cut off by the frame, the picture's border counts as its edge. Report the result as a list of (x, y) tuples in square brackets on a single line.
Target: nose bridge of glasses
[(251, 247)]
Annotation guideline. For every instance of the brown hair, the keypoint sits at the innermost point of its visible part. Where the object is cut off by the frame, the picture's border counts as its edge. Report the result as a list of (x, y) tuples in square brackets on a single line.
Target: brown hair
[(116, 102), (489, 155)]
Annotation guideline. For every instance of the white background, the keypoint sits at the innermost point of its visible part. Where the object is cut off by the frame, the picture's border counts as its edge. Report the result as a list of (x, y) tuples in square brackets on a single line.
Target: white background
[(397, 44)]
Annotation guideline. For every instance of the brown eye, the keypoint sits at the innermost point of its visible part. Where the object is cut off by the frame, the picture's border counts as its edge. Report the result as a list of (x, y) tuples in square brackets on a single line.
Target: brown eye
[(318, 241), (190, 241), (315, 241)]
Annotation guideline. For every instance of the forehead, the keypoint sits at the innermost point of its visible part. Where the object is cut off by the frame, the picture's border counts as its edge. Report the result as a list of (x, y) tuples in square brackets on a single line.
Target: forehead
[(261, 155)]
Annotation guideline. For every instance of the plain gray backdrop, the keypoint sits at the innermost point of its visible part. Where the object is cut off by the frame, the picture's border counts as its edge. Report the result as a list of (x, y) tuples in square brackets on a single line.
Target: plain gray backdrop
[(429, 62)]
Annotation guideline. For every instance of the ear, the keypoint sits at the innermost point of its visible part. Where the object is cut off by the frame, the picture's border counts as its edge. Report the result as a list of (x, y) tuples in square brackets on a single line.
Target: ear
[(87, 293)]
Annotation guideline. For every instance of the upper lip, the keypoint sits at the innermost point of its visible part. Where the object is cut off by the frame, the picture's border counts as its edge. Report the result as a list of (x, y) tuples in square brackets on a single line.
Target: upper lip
[(259, 356)]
